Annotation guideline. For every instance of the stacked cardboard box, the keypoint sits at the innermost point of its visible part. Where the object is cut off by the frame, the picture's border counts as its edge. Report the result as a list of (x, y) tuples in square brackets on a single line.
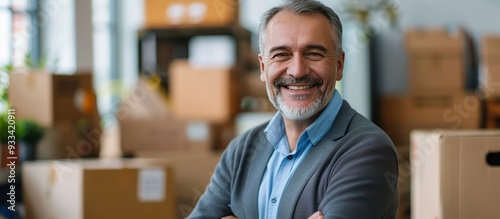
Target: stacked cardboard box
[(148, 123), (149, 128), (193, 170), (436, 61), (65, 105), (438, 97), (455, 174), (94, 189), (207, 94)]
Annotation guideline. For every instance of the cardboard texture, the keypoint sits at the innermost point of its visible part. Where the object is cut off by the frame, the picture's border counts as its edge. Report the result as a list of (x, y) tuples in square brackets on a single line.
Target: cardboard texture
[(205, 94), (433, 42), (490, 46), (147, 123), (399, 114), (451, 176), (193, 170), (197, 13), (446, 73), (48, 98), (436, 60), (98, 189)]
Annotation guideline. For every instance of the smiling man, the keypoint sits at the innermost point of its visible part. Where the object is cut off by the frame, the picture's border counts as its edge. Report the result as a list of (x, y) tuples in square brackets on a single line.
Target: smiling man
[(317, 157)]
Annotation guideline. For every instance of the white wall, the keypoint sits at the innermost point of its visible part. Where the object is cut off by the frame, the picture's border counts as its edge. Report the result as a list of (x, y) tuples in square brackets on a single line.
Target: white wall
[(131, 18), (57, 31)]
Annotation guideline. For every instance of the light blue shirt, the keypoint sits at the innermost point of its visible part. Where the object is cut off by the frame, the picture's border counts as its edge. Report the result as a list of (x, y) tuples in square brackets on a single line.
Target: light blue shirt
[(283, 163)]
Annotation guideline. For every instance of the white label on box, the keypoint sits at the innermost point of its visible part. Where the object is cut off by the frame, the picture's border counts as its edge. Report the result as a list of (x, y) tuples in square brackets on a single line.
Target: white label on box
[(151, 186), (175, 13), (197, 12), (218, 51), (197, 131)]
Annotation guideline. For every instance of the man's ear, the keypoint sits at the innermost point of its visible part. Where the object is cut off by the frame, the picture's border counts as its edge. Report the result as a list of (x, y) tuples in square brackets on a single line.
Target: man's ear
[(261, 64), (340, 66)]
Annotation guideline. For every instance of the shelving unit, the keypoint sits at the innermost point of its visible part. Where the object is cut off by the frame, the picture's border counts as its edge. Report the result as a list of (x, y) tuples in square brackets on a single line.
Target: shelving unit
[(158, 47)]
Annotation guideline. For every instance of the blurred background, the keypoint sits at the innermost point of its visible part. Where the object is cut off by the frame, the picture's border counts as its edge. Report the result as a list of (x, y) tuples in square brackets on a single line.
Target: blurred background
[(109, 96)]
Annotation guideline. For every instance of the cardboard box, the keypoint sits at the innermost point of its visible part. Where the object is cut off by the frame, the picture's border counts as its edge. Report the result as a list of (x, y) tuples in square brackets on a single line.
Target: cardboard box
[(434, 42), (206, 13), (434, 72), (454, 175), (490, 46), (205, 94), (436, 59), (167, 134), (99, 189), (399, 114), (147, 123), (48, 98), (164, 133), (193, 171), (70, 140)]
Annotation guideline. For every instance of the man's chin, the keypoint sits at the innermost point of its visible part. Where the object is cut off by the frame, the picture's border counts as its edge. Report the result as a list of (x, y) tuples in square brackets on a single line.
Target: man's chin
[(298, 113)]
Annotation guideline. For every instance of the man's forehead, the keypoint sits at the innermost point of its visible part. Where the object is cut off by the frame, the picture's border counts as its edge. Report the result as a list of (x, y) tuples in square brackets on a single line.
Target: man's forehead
[(285, 30)]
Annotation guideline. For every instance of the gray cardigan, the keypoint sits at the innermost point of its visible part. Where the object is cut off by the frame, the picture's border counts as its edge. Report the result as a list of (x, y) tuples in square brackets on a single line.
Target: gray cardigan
[(351, 173)]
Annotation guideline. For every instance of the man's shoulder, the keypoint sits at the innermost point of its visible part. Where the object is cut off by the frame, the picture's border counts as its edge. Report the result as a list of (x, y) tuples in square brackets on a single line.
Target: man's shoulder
[(256, 133), (360, 130), (249, 140)]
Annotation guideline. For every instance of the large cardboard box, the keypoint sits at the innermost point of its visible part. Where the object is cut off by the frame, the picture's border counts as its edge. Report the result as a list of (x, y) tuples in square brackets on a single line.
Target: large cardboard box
[(193, 171), (436, 60), (399, 114), (205, 94), (48, 98), (455, 174), (490, 46), (433, 42), (168, 134), (98, 189), (182, 13), (147, 123), (439, 73)]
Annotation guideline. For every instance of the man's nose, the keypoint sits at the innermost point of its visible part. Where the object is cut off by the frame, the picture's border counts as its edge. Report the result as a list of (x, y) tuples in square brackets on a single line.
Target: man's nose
[(297, 67)]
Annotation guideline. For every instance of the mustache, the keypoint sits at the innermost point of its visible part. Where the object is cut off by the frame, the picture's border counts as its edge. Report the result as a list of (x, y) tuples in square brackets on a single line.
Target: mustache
[(302, 81)]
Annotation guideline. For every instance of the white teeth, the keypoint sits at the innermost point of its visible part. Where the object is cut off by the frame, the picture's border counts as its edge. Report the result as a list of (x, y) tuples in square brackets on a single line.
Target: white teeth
[(292, 87)]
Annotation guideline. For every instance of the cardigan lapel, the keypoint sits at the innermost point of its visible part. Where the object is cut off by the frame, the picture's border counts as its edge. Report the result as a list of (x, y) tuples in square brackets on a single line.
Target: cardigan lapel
[(315, 157), (256, 165)]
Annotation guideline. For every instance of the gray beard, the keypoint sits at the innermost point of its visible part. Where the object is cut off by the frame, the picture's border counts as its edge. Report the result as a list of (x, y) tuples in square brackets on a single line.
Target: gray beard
[(296, 114)]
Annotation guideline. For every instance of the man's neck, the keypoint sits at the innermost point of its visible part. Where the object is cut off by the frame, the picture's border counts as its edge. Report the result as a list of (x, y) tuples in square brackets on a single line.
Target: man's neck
[(294, 129)]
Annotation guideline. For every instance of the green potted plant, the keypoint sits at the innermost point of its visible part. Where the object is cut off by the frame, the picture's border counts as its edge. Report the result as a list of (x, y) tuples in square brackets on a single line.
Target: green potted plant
[(3, 130), (29, 133)]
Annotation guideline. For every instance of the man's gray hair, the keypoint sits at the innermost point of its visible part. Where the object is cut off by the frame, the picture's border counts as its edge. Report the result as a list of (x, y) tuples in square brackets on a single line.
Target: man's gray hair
[(303, 7)]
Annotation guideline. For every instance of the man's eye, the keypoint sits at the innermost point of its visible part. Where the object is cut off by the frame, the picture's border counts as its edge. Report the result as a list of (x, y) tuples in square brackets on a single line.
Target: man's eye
[(314, 54), (279, 55)]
